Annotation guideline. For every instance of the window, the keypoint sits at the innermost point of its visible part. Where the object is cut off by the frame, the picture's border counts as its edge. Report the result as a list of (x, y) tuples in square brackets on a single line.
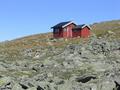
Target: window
[(56, 30), (64, 29), (75, 30)]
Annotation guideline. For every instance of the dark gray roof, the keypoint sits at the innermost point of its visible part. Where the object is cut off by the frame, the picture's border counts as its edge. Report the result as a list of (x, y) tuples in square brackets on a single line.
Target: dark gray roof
[(59, 25), (80, 26)]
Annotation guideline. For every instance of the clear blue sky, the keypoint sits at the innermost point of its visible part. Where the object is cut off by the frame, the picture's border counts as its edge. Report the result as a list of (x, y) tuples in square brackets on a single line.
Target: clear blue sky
[(25, 17)]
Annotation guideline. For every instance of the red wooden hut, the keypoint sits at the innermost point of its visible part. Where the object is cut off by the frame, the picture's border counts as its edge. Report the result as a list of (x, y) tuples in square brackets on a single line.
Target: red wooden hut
[(70, 29)]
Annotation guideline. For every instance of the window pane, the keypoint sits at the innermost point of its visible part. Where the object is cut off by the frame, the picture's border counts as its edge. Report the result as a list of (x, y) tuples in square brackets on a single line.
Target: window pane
[(75, 30), (64, 29), (56, 30)]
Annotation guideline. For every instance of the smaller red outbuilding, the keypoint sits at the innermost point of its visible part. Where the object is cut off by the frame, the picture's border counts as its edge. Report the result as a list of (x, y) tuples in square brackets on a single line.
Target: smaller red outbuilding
[(70, 29)]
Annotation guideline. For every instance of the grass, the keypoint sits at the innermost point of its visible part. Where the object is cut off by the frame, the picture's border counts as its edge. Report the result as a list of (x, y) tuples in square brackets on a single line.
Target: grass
[(102, 28), (23, 73)]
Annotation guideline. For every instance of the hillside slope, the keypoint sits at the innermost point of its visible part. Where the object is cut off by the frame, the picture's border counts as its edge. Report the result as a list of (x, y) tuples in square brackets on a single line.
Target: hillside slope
[(99, 29), (39, 62), (102, 28)]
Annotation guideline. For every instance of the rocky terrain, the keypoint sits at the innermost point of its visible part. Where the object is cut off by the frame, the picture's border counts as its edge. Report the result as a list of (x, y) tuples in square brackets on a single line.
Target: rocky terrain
[(61, 64)]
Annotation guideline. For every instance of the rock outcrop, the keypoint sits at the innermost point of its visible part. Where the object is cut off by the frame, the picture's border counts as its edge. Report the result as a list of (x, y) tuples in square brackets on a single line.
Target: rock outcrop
[(94, 65)]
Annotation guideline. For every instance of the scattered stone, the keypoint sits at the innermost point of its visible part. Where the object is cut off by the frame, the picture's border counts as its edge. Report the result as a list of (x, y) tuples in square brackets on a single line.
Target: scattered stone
[(39, 88), (17, 87), (85, 79), (94, 65)]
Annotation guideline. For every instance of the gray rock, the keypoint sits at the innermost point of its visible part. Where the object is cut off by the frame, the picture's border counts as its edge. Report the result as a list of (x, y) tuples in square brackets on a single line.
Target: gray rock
[(17, 87), (107, 85), (5, 81), (32, 88)]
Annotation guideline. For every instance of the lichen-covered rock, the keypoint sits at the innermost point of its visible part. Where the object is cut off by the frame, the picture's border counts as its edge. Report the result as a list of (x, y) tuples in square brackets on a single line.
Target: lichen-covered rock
[(94, 65), (17, 87), (5, 80)]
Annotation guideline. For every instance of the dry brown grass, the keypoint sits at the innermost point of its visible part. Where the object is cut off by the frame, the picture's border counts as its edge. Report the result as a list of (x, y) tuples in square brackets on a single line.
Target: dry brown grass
[(102, 28)]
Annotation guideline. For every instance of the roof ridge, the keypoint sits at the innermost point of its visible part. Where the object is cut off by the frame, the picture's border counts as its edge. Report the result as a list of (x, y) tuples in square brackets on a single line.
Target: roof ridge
[(63, 24)]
